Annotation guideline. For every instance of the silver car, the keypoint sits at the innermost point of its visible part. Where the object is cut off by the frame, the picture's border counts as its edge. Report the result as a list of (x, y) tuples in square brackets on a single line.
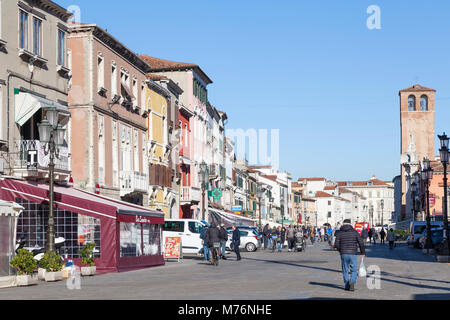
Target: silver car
[(249, 241)]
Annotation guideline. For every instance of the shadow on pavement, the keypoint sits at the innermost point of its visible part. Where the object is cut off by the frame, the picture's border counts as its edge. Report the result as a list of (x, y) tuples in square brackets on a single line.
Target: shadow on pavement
[(329, 285), (297, 265), (402, 252)]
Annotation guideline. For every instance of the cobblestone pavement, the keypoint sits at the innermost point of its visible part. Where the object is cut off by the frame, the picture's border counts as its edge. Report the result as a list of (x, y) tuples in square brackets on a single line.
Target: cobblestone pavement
[(316, 274)]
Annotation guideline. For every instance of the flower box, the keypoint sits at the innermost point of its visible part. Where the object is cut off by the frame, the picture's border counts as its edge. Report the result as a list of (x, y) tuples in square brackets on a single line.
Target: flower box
[(53, 276), (24, 281)]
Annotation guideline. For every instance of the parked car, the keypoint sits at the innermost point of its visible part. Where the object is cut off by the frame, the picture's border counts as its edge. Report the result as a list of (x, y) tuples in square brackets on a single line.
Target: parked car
[(189, 230), (437, 236), (250, 241), (418, 227), (254, 229)]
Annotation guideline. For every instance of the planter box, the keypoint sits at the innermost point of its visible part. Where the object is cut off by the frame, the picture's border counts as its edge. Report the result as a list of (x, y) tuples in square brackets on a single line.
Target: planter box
[(41, 274), (88, 271), (24, 281), (53, 276)]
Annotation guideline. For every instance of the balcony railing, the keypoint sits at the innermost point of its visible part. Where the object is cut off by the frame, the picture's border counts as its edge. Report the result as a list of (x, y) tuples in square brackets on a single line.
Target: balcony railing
[(190, 195), (132, 182), (32, 157)]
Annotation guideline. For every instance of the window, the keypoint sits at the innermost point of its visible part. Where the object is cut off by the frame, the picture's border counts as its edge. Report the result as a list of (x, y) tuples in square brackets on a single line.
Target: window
[(174, 226), (329, 214), (135, 92), (113, 79), (37, 37), (23, 30), (412, 103), (195, 227), (136, 150), (115, 148), (329, 203), (424, 103), (61, 48), (100, 71), (143, 104), (125, 78), (101, 150)]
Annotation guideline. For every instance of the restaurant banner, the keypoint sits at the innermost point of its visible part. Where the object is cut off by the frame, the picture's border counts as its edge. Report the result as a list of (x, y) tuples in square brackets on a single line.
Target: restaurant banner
[(172, 249)]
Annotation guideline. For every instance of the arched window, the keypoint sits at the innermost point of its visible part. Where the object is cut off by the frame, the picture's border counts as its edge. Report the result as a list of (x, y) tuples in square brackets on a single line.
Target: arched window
[(424, 103), (412, 103)]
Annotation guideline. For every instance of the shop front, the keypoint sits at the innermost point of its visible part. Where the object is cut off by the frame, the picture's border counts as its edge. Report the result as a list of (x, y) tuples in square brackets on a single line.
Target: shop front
[(127, 236)]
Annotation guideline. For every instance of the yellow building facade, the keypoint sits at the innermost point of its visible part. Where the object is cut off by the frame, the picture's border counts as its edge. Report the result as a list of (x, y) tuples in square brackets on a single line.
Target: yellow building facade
[(160, 173)]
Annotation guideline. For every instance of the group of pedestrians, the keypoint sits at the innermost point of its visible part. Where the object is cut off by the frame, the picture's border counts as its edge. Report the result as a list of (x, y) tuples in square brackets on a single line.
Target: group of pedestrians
[(278, 238), (218, 234)]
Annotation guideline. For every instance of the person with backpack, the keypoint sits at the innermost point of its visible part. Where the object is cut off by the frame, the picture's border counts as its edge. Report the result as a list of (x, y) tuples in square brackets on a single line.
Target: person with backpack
[(382, 235), (391, 239)]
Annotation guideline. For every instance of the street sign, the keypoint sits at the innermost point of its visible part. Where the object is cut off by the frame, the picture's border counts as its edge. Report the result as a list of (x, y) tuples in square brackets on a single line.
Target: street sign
[(236, 208), (32, 161)]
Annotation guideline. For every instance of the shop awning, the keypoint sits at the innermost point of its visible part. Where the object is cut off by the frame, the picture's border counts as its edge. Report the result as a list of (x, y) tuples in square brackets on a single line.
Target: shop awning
[(229, 219), (27, 104), (80, 201)]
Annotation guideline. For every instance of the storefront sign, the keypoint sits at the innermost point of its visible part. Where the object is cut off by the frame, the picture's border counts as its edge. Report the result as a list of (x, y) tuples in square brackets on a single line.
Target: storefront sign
[(172, 248), (432, 200), (236, 209), (140, 219)]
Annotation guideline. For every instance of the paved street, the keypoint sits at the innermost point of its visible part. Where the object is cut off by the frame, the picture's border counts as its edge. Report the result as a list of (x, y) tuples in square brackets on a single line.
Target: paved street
[(405, 274)]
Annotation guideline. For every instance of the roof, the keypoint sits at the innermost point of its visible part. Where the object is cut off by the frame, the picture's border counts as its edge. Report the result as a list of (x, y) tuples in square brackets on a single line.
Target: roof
[(344, 190), (156, 77), (161, 65), (311, 179), (417, 87), (330, 188), (321, 194), (375, 182)]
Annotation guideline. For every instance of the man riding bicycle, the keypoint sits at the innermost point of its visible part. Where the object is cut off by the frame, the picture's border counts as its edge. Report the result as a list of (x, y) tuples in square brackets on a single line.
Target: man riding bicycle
[(213, 237)]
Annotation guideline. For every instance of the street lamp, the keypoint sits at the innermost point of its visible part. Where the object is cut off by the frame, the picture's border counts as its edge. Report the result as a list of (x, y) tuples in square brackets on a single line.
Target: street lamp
[(382, 212), (427, 175), (52, 134), (261, 191), (445, 159), (413, 196), (282, 211), (371, 214), (203, 180)]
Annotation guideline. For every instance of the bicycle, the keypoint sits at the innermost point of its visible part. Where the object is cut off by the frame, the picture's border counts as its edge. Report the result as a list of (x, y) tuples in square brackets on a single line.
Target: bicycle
[(215, 253)]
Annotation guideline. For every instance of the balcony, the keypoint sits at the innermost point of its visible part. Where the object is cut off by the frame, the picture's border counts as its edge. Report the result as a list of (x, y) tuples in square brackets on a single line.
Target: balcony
[(133, 182), (31, 159), (190, 195)]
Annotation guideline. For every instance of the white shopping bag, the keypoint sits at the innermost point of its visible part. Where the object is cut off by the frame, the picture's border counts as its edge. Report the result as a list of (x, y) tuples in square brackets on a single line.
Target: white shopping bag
[(362, 269)]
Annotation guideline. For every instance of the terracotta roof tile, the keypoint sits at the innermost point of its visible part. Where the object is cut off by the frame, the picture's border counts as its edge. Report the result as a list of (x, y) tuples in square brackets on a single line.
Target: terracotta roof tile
[(321, 194), (311, 179), (417, 87)]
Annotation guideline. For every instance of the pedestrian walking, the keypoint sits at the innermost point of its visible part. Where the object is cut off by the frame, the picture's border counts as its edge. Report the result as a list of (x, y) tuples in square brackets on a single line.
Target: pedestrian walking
[(276, 238), (236, 242), (212, 237), (347, 242), (374, 236), (223, 241), (290, 234), (365, 235), (391, 239), (205, 245), (370, 235), (382, 235), (266, 235), (283, 238)]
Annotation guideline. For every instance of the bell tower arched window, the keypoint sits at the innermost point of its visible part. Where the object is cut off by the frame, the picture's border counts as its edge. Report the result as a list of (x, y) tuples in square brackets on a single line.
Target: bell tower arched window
[(424, 103), (412, 103)]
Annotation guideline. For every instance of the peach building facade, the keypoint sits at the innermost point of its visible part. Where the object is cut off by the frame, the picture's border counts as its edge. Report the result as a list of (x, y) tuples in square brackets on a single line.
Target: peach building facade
[(107, 99)]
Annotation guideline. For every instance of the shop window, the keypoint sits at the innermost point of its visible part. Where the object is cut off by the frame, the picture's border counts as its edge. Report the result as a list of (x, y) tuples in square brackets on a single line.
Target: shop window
[(139, 239), (76, 229)]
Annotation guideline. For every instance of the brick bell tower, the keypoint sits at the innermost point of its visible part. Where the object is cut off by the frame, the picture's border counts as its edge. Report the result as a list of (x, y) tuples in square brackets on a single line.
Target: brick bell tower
[(417, 114)]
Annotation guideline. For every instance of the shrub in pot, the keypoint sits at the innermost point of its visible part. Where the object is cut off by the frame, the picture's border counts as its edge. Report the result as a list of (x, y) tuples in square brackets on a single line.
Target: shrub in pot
[(53, 265), (87, 259), (25, 266)]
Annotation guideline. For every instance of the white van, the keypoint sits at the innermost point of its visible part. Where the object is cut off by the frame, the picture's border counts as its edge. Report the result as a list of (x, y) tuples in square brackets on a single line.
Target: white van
[(418, 227), (189, 230)]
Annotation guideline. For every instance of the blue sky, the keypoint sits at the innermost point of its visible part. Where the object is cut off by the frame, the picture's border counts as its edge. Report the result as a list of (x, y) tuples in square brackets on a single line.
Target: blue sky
[(309, 68)]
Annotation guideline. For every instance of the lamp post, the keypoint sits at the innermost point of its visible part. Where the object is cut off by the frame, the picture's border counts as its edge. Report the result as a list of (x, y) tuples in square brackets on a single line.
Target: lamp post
[(261, 191), (413, 196), (203, 180), (382, 212), (445, 159), (371, 214), (427, 175), (282, 211), (51, 133)]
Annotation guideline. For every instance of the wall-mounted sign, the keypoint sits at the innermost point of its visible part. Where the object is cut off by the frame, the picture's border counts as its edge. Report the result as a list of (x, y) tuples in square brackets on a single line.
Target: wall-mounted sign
[(236, 208)]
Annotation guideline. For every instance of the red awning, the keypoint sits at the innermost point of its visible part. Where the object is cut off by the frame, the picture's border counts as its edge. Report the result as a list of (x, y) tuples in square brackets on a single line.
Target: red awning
[(81, 201)]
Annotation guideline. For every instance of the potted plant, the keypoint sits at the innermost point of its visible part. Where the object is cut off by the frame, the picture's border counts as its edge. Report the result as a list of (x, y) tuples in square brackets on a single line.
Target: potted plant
[(25, 266), (87, 259), (53, 265)]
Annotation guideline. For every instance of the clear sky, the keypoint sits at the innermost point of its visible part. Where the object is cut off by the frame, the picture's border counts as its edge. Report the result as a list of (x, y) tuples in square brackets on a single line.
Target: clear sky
[(309, 68)]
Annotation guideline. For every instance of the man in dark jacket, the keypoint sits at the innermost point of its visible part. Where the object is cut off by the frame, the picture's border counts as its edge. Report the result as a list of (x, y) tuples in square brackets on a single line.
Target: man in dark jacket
[(223, 241), (347, 242), (266, 235), (237, 242), (212, 236)]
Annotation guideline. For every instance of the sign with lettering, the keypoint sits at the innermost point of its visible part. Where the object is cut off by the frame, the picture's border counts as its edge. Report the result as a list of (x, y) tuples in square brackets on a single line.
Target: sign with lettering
[(432, 200), (172, 249), (32, 160), (236, 208)]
